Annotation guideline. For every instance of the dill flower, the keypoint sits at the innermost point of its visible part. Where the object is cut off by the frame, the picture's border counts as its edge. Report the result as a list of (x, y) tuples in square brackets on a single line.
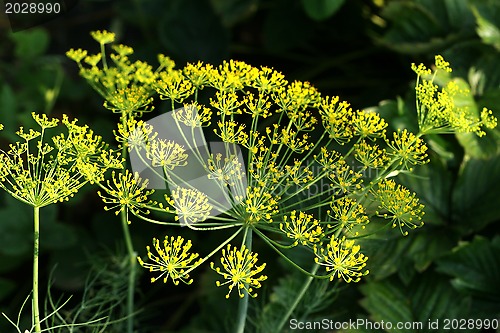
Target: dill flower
[(240, 271), (103, 37), (166, 154), (259, 205), (227, 170), (193, 115), (368, 125), (370, 155), (130, 100), (232, 132), (40, 174), (346, 214), (173, 86), (172, 261), (76, 55), (134, 134), (437, 107), (302, 228), (342, 259), (226, 103), (198, 74), (344, 179), (400, 205), (336, 117), (127, 191), (191, 205), (408, 149), (268, 80)]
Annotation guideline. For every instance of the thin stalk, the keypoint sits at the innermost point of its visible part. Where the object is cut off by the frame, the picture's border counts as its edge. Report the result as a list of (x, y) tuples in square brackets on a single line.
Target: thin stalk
[(243, 302), (131, 276), (36, 251), (301, 294), (131, 252)]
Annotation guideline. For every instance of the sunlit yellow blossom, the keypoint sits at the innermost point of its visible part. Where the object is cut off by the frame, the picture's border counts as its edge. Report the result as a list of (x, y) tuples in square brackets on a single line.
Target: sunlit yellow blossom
[(172, 260), (407, 149), (442, 64), (342, 259), (400, 205), (123, 50), (174, 86), (240, 271), (166, 154), (346, 214), (232, 132), (130, 100), (368, 124), (259, 205), (226, 103), (135, 134), (127, 191), (227, 170), (193, 115), (191, 205), (337, 119), (76, 55), (93, 60), (198, 74), (344, 178), (268, 80), (39, 174), (257, 106), (103, 37), (302, 228), (370, 155)]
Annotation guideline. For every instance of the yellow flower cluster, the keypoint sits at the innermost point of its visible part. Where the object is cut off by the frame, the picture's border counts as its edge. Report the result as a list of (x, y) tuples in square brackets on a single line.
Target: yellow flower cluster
[(342, 259), (240, 270), (172, 261), (40, 174), (437, 107), (400, 205), (293, 174)]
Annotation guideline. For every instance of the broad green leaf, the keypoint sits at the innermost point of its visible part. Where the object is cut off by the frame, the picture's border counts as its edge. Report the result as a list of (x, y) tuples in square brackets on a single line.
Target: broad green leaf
[(321, 9), (487, 16), (475, 198), (426, 26), (30, 43), (428, 297), (475, 267)]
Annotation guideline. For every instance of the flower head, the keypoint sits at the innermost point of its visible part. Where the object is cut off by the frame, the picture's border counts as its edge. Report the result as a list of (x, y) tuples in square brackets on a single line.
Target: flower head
[(408, 149), (347, 214), (342, 259), (240, 271), (400, 205), (103, 37), (166, 154), (127, 191), (172, 260), (191, 205), (302, 228)]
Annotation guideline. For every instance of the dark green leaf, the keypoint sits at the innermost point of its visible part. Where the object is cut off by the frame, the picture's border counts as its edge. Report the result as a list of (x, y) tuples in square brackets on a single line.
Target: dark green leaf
[(475, 267), (475, 196), (30, 43)]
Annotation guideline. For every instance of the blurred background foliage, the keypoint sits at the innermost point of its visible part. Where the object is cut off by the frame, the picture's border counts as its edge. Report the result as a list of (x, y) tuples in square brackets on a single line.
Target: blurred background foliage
[(360, 50)]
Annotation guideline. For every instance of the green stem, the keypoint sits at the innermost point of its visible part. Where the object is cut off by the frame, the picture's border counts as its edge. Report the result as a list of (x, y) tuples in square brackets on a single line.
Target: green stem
[(36, 251), (301, 294), (243, 303), (131, 276)]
